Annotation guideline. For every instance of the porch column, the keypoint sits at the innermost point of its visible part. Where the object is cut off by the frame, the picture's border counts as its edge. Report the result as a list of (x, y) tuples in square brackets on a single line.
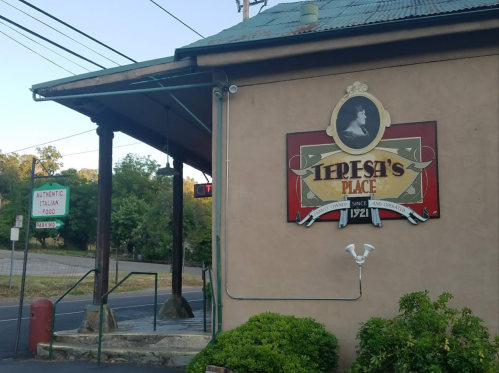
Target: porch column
[(178, 209), (101, 283), (176, 307), (101, 279)]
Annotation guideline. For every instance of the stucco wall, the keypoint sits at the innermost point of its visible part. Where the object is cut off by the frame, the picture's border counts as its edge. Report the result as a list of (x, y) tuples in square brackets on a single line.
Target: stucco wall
[(457, 253)]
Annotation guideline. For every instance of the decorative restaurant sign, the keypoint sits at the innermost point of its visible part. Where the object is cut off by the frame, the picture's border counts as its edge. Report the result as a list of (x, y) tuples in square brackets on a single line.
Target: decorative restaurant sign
[(50, 200), (362, 168)]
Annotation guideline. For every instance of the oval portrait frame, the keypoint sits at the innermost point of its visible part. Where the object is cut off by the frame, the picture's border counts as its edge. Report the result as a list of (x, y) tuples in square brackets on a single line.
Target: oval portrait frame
[(358, 90)]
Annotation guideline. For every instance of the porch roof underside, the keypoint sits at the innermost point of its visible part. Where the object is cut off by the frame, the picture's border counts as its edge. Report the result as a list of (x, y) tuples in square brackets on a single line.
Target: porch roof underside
[(143, 115)]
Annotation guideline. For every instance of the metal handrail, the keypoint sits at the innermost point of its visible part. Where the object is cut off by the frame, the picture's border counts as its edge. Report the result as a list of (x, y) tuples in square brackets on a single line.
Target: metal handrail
[(213, 304), (97, 270), (214, 308), (101, 312)]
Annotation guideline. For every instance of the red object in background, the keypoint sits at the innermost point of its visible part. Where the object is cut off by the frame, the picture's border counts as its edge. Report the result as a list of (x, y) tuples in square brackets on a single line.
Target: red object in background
[(202, 190), (40, 323)]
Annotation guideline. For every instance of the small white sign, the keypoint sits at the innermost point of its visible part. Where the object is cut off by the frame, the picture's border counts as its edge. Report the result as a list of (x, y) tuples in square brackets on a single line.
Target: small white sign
[(14, 234), (19, 221)]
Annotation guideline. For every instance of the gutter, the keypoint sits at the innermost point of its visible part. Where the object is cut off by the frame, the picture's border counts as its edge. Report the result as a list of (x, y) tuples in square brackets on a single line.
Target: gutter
[(435, 20)]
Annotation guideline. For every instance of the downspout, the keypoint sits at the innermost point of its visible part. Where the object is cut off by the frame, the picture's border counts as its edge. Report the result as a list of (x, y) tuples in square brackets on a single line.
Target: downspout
[(218, 207)]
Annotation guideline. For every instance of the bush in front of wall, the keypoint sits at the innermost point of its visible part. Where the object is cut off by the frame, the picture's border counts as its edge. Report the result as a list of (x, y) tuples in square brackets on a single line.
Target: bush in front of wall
[(427, 337), (207, 292), (272, 343)]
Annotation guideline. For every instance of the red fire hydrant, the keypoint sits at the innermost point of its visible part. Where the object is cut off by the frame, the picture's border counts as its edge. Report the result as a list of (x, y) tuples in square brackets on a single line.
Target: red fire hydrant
[(40, 322)]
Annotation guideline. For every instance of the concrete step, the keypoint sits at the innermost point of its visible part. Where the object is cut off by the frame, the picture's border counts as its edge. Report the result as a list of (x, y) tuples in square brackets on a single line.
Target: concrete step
[(161, 356), (130, 340)]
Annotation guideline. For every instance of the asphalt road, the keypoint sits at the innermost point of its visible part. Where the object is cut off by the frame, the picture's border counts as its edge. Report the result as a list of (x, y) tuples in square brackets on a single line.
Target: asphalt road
[(89, 263), (69, 315)]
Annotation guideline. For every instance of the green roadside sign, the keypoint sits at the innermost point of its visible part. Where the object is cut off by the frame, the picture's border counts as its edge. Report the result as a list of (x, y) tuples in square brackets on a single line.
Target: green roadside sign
[(49, 224)]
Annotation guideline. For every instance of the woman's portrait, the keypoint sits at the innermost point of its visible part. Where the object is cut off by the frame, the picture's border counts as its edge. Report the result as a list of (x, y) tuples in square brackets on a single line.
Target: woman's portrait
[(358, 122)]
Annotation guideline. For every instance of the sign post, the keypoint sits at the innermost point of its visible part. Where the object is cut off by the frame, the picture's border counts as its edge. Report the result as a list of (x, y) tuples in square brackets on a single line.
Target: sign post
[(49, 197), (14, 236)]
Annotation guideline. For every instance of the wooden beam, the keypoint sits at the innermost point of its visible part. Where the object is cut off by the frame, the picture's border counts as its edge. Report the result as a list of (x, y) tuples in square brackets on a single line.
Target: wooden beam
[(152, 138)]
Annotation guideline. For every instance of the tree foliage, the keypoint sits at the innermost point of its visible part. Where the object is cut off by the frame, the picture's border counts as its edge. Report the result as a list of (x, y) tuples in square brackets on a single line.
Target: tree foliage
[(142, 204)]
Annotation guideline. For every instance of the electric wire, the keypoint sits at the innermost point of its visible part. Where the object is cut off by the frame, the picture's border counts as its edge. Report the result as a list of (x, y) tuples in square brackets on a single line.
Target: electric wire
[(185, 24), (49, 142), (44, 46), (60, 32), (37, 53), (75, 29), (50, 41), (92, 151)]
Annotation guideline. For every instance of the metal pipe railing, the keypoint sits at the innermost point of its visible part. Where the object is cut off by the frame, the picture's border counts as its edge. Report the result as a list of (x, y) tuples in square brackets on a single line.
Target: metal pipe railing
[(213, 303), (213, 307), (101, 311), (203, 276), (58, 300)]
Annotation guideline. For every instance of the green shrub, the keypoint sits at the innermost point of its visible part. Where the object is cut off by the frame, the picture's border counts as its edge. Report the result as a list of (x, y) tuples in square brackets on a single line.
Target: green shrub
[(427, 337), (207, 292), (272, 343)]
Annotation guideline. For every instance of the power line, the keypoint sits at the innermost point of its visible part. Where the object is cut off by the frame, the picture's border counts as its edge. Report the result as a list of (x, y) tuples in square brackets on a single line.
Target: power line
[(185, 24), (33, 40), (49, 142), (60, 32), (92, 151), (50, 41), (75, 29), (37, 54)]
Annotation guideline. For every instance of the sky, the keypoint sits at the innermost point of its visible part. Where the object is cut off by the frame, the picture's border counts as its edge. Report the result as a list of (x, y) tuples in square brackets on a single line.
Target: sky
[(137, 28)]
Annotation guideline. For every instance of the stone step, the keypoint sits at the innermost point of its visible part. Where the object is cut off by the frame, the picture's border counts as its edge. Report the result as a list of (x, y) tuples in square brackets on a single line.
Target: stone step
[(160, 356), (131, 340)]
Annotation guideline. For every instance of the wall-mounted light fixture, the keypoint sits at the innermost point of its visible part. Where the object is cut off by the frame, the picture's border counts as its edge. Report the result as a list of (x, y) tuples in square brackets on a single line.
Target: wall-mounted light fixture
[(359, 259)]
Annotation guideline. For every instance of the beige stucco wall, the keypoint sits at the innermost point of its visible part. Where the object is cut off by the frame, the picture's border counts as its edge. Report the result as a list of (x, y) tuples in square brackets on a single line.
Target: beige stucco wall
[(458, 253)]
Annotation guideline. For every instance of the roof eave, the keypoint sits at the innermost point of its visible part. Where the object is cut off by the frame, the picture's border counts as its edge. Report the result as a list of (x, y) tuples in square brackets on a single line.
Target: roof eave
[(120, 73)]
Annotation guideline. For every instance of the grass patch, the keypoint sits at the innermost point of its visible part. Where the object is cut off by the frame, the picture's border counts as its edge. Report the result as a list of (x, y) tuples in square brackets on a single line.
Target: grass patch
[(54, 286)]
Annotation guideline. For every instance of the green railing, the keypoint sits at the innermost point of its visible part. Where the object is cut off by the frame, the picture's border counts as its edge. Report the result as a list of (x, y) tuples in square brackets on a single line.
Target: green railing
[(101, 312), (213, 304), (97, 270)]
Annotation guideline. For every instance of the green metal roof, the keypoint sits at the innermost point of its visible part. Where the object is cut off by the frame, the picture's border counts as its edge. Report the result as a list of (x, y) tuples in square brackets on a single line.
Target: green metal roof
[(96, 74), (283, 20)]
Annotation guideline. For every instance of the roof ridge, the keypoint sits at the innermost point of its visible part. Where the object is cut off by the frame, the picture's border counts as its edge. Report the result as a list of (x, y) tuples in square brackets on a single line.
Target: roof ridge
[(283, 19)]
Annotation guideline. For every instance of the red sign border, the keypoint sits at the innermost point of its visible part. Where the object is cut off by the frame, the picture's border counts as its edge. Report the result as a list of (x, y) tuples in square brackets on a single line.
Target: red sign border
[(395, 131)]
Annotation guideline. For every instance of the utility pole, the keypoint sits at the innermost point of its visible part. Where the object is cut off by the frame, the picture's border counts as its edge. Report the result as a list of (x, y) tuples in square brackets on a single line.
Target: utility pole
[(246, 6)]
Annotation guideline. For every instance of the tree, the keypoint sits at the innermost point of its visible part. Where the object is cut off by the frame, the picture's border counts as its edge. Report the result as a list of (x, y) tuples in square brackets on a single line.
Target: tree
[(155, 234), (88, 174), (128, 214), (50, 157), (134, 175), (80, 226), (197, 224), (16, 203), (9, 172)]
